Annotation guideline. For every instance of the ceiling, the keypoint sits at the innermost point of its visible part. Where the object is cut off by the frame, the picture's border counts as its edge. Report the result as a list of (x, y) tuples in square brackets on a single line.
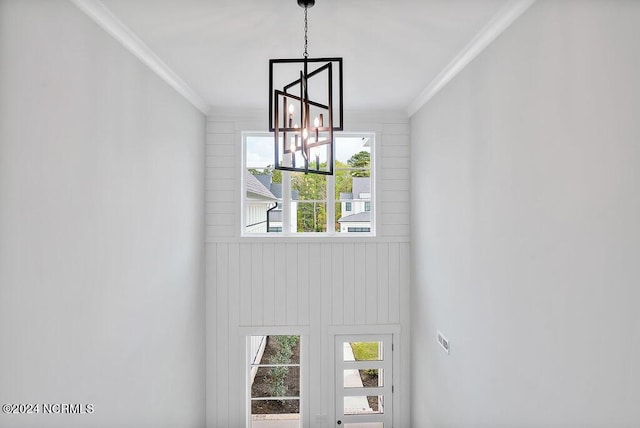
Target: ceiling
[(392, 49)]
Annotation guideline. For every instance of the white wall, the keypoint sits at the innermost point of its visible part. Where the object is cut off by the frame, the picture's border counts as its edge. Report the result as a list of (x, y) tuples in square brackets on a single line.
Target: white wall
[(527, 234), (101, 228), (264, 285)]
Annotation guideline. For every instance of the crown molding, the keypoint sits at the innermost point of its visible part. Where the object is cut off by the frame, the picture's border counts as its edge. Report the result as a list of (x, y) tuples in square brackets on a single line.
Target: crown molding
[(97, 11), (511, 11)]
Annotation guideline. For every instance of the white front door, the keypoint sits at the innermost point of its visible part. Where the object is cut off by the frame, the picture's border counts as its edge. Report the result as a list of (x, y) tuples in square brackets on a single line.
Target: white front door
[(364, 380)]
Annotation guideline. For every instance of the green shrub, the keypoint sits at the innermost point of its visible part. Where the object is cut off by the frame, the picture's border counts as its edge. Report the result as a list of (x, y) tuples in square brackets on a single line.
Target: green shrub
[(284, 346)]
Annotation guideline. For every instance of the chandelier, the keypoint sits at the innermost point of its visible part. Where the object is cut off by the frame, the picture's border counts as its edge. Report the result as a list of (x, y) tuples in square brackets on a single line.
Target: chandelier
[(305, 108)]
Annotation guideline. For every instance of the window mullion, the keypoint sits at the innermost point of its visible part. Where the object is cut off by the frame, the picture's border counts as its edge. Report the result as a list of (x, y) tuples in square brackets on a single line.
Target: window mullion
[(331, 206), (286, 202)]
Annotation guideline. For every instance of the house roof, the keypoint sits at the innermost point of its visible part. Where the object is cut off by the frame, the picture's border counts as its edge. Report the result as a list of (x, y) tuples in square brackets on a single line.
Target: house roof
[(276, 189), (359, 186), (265, 179), (363, 217), (255, 188)]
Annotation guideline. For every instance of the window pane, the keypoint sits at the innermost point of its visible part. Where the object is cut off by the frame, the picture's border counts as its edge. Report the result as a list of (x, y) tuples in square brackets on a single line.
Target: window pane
[(279, 381), (261, 408), (353, 211), (353, 152), (309, 187), (263, 203), (281, 350), (311, 216)]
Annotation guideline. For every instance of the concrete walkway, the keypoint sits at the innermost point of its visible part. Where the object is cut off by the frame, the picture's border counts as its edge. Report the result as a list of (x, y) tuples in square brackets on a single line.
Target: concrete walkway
[(352, 379)]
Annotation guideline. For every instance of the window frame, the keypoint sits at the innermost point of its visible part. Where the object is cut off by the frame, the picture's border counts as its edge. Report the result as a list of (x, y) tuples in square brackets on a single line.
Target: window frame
[(303, 333), (332, 198)]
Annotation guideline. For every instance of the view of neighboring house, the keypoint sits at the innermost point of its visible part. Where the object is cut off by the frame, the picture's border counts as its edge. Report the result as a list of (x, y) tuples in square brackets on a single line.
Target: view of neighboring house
[(264, 204), (258, 203), (356, 207)]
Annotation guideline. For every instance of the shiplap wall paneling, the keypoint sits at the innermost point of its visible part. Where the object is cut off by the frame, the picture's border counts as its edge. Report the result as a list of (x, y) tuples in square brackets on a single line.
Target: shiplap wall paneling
[(404, 291), (280, 284), (283, 282), (221, 181), (337, 270), (223, 172), (244, 286), (236, 369), (371, 283), (394, 282), (360, 291), (315, 333), (291, 286), (383, 283), (211, 330), (305, 271), (222, 330), (349, 298), (257, 285), (269, 276)]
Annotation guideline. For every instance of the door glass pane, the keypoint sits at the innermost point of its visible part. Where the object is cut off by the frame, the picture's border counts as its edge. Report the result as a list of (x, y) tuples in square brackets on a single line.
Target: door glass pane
[(363, 351), (363, 405), (368, 378)]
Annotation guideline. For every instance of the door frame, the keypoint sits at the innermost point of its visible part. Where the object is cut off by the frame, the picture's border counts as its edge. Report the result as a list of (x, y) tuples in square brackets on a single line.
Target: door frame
[(376, 329)]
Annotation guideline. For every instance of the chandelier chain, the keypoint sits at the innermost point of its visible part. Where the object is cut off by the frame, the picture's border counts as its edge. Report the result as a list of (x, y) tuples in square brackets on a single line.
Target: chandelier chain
[(306, 28)]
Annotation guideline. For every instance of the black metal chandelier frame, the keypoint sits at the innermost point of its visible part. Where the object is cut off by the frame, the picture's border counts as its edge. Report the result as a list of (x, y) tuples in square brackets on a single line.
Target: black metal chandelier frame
[(305, 138)]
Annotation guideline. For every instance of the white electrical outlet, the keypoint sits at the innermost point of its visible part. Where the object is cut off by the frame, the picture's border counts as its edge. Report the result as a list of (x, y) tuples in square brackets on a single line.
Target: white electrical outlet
[(444, 343)]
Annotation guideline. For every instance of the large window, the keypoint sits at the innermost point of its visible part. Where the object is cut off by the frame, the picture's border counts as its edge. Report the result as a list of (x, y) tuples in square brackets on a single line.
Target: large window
[(284, 203)]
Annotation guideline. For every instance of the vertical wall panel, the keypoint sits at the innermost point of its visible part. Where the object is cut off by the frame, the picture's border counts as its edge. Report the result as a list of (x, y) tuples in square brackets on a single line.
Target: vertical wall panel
[(256, 285), (315, 331), (305, 270), (268, 281), (236, 387), (280, 264), (394, 283), (292, 284), (337, 264), (245, 284), (349, 284), (211, 330), (360, 290), (222, 331), (383, 283), (371, 283)]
